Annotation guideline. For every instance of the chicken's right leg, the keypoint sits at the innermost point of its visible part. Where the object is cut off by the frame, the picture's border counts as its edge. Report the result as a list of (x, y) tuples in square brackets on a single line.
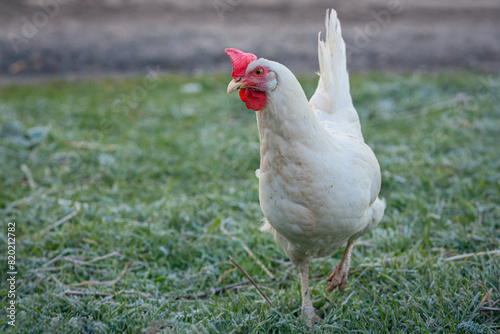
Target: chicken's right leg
[(301, 261), (338, 278), (307, 310)]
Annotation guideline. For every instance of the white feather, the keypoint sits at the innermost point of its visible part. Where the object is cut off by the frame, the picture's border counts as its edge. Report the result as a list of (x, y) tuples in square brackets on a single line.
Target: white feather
[(318, 181), (332, 102)]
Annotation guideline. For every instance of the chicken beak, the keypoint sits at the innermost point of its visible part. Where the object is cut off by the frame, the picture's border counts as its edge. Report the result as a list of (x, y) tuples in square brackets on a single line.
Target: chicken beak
[(235, 84)]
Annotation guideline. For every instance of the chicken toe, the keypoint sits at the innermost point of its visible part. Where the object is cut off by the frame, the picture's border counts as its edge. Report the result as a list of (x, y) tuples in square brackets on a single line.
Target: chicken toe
[(338, 277), (310, 317)]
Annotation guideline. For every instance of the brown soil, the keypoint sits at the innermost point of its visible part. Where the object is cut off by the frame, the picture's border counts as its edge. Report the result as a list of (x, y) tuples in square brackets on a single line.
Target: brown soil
[(89, 37)]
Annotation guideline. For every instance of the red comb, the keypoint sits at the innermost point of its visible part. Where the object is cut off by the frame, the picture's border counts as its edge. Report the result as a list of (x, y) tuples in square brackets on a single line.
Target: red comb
[(240, 61)]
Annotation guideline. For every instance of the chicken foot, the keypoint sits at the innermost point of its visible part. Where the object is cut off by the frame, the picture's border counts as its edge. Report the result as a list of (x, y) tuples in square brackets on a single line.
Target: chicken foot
[(338, 278)]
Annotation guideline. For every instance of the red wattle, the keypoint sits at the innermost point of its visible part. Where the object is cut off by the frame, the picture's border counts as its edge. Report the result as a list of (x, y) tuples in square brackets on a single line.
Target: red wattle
[(242, 95), (254, 99)]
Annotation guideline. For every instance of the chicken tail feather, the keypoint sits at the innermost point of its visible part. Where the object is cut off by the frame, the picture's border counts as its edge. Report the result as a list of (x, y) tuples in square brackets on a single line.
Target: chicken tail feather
[(333, 62), (332, 100)]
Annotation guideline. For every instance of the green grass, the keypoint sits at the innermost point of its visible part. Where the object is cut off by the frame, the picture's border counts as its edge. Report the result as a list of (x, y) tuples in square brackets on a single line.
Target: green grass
[(159, 186)]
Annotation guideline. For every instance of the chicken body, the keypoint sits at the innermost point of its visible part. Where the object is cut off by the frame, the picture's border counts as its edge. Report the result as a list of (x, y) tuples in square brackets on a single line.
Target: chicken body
[(315, 187), (318, 181)]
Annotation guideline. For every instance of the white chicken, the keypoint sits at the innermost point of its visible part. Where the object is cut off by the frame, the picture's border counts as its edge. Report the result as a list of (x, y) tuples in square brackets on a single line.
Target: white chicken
[(318, 181)]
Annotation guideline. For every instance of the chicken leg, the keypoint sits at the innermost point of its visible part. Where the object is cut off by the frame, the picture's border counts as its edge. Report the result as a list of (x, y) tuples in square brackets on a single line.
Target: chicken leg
[(338, 278), (307, 309)]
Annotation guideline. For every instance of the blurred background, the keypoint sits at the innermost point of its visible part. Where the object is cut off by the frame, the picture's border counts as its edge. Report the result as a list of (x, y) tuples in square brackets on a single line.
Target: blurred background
[(95, 38)]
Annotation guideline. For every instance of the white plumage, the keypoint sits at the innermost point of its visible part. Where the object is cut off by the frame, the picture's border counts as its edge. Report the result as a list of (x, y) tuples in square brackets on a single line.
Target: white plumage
[(318, 181)]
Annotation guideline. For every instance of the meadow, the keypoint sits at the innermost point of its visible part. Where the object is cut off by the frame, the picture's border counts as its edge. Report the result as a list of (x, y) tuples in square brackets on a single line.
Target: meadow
[(129, 196)]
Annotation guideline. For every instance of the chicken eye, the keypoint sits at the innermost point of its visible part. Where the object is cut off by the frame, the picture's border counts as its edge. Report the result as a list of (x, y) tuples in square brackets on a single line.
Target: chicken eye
[(258, 72)]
